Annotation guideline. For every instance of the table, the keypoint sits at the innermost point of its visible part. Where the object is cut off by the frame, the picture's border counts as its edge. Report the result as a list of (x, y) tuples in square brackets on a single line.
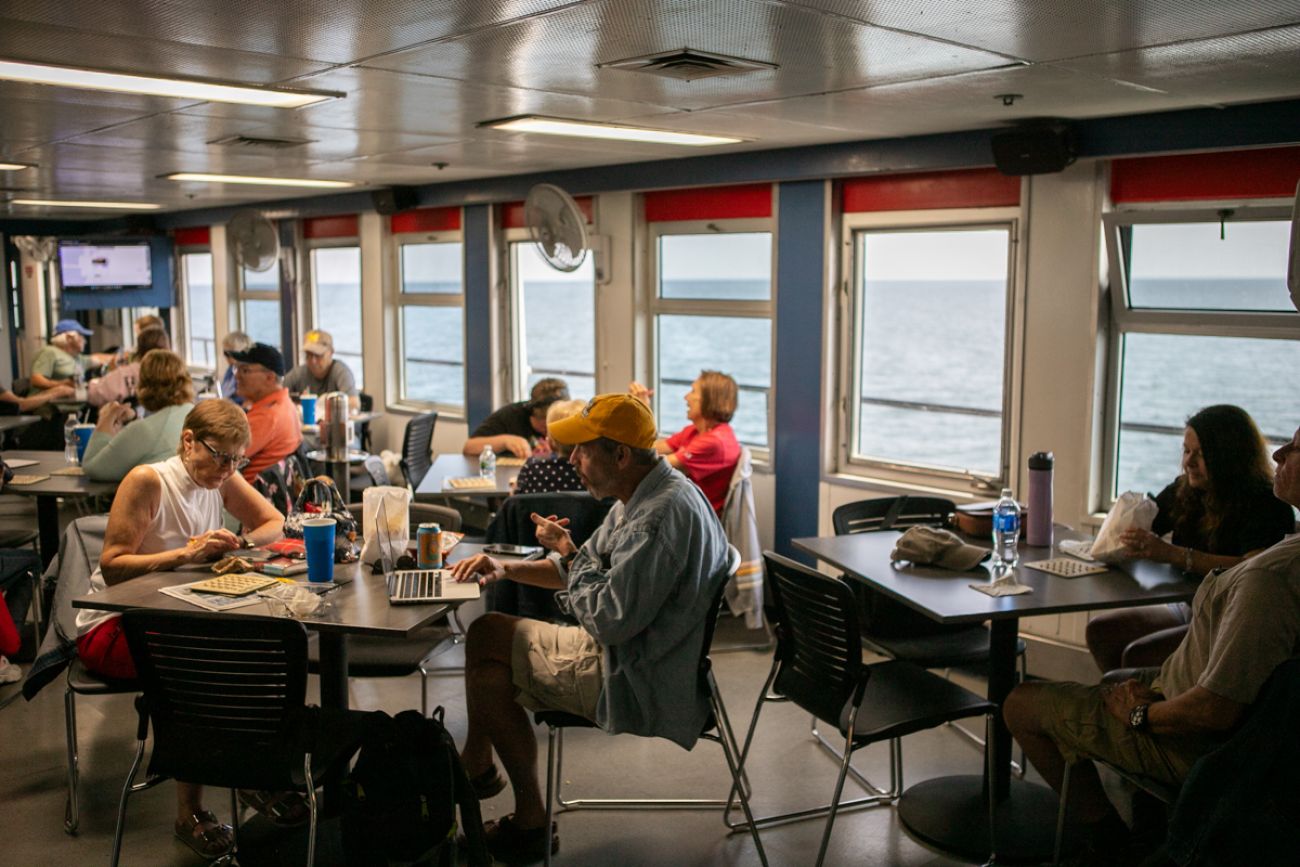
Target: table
[(340, 471), (13, 422), (459, 466), (48, 492), (951, 812)]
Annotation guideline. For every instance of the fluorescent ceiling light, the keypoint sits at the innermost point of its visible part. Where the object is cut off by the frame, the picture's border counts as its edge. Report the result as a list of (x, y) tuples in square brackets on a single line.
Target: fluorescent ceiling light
[(68, 203), (15, 167), (183, 88), (251, 179), (559, 126)]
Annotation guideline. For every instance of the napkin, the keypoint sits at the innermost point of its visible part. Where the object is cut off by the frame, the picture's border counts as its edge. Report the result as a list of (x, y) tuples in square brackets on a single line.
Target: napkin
[(1002, 588)]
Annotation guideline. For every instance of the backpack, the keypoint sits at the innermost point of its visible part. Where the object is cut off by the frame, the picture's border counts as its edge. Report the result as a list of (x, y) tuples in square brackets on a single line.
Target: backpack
[(399, 800)]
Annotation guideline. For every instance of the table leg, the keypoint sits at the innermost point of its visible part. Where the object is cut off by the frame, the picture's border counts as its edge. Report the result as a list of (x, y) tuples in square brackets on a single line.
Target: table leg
[(333, 696), (47, 526), (952, 813), (341, 473)]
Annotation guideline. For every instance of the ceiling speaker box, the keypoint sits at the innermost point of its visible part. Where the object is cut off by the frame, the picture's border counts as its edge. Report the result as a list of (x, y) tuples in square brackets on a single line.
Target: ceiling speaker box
[(1036, 149), (391, 200)]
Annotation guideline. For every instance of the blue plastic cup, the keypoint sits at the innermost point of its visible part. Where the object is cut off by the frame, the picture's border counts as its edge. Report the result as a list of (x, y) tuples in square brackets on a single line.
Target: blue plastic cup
[(318, 538), (308, 404), (83, 439)]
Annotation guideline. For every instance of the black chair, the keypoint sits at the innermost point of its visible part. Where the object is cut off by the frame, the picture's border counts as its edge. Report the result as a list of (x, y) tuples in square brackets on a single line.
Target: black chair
[(417, 448), (892, 629), (513, 525), (366, 403), (818, 665), (81, 681), (225, 696), (717, 728)]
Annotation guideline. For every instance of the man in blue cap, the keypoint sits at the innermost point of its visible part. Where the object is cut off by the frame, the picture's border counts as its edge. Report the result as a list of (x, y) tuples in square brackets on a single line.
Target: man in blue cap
[(64, 357)]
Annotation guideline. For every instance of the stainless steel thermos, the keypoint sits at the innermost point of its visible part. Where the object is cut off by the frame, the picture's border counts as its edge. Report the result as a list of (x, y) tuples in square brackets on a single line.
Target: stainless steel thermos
[(334, 428)]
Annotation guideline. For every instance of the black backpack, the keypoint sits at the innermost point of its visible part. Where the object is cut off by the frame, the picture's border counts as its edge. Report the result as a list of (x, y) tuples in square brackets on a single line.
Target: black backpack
[(400, 798)]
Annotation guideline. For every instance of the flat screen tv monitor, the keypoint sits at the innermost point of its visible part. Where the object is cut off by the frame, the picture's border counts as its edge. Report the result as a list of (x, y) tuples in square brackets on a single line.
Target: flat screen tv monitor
[(89, 265)]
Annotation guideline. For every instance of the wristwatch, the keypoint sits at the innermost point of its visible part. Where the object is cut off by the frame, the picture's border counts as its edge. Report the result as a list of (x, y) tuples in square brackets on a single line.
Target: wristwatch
[(1137, 717)]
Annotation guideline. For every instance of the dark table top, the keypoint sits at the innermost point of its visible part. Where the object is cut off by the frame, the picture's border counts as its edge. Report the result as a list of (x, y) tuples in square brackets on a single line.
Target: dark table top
[(58, 486), (943, 595), (459, 466)]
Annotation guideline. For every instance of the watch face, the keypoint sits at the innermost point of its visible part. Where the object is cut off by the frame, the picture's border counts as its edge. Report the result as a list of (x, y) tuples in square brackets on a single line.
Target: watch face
[(1137, 717)]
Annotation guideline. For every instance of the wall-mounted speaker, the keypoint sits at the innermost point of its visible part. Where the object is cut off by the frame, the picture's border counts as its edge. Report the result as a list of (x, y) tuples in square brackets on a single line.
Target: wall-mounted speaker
[(1034, 149), (391, 200)]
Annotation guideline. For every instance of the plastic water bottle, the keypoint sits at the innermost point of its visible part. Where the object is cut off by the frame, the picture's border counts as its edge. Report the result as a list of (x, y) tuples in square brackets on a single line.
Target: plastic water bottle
[(70, 442), (487, 463), (1006, 530)]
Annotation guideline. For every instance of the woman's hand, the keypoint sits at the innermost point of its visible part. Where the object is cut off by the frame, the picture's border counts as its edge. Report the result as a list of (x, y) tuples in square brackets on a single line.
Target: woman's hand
[(480, 567), (552, 535), (113, 416), (640, 392), (212, 545), (1145, 545)]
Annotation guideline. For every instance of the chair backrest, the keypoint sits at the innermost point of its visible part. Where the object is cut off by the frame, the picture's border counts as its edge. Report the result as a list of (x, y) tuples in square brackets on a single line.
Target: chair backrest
[(512, 522), (375, 469), (887, 513), (223, 693), (417, 448), (271, 484), (818, 644)]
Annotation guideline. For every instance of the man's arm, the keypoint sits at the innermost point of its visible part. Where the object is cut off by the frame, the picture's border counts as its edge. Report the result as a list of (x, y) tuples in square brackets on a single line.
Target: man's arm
[(1197, 711), (535, 573)]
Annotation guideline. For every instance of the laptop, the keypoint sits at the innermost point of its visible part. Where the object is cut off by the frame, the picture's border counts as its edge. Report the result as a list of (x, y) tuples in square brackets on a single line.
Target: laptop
[(417, 586)]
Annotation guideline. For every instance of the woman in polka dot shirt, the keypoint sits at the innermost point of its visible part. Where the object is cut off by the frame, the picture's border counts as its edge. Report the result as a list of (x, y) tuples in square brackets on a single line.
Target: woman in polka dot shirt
[(545, 474)]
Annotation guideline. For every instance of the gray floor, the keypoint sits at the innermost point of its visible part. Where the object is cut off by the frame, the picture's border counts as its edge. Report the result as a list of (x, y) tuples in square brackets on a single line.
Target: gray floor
[(788, 771)]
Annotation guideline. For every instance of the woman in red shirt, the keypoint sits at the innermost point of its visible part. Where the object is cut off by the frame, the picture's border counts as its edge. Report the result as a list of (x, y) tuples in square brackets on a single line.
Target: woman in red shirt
[(705, 450)]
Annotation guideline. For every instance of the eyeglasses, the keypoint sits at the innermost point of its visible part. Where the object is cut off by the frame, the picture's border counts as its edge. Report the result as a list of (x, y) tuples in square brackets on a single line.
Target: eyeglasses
[(224, 460)]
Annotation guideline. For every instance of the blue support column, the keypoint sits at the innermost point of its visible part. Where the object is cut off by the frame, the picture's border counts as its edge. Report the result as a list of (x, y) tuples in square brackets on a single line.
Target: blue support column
[(478, 312), (800, 270)]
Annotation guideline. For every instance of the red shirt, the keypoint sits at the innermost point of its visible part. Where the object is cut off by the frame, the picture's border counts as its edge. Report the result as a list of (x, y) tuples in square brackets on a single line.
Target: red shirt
[(275, 429), (708, 459)]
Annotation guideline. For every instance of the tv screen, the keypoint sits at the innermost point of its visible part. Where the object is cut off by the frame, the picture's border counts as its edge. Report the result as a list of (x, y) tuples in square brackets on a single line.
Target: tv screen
[(85, 265)]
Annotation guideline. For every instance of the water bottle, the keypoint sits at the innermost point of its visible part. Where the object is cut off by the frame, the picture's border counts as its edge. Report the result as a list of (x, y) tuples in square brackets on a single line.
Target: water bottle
[(1006, 530), (487, 463), (70, 439), (1038, 523)]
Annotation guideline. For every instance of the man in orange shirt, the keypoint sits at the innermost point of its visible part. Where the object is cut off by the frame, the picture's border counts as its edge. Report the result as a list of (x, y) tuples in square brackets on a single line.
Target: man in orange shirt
[(272, 417)]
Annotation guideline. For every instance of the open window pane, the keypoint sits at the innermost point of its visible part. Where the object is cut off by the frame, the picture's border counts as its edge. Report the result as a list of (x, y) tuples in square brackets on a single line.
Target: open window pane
[(726, 267), (262, 322), (931, 332), (1168, 377), (336, 275), (557, 320), (739, 346), (1209, 266), (434, 354), (200, 315), (432, 268)]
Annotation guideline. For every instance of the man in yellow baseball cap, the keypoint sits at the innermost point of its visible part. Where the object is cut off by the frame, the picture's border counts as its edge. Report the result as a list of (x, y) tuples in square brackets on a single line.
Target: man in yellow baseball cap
[(639, 588), (320, 371)]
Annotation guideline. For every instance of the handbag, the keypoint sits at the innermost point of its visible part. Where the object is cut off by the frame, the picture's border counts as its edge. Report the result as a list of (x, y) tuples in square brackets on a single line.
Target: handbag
[(321, 499)]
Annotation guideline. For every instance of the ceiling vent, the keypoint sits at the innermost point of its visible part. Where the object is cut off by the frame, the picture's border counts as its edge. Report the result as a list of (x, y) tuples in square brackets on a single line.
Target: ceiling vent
[(253, 141), (687, 64)]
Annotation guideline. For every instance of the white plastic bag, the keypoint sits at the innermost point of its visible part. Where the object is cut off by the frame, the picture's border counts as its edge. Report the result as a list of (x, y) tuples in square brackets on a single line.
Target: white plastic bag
[(397, 509), (1132, 511)]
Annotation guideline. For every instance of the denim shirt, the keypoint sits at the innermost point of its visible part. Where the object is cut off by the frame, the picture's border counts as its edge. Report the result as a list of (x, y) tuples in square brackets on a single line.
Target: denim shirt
[(641, 586)]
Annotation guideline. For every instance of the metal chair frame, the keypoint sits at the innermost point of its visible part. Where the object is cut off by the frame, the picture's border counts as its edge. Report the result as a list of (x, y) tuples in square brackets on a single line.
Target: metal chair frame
[(81, 681)]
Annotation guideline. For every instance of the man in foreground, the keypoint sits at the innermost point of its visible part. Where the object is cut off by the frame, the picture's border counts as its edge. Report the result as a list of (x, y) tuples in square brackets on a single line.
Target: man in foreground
[(1245, 622), (272, 417), (639, 588)]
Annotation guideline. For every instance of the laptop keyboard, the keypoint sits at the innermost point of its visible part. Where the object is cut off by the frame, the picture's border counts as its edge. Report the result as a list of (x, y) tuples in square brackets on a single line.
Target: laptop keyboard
[(417, 584)]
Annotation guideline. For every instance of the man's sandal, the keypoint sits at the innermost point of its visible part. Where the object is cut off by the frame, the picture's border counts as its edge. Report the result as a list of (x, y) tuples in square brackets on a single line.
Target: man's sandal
[(286, 809), (205, 835)]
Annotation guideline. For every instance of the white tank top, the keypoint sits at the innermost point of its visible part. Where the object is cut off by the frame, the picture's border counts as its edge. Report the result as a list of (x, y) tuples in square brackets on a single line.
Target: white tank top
[(185, 509)]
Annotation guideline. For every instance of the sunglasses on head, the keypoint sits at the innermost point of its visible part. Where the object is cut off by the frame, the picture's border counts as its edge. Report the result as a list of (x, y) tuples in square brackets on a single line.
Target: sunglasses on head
[(224, 460)]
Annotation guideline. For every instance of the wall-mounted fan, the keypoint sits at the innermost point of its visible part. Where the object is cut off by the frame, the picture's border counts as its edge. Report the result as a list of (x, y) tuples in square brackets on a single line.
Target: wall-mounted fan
[(254, 240), (39, 248), (557, 225)]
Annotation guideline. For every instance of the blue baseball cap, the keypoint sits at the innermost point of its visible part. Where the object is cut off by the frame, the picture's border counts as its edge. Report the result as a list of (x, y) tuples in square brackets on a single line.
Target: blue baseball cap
[(66, 325)]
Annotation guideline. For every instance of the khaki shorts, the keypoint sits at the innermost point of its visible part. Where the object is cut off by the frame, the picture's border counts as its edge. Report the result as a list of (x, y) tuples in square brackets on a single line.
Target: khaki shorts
[(556, 668), (1075, 717)]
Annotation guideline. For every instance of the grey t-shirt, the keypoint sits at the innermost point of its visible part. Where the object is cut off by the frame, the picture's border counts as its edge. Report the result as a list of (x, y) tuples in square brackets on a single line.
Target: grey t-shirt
[(338, 378)]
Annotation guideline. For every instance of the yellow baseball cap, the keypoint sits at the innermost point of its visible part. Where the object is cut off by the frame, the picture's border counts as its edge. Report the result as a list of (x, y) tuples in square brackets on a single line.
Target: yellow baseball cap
[(318, 342), (619, 417)]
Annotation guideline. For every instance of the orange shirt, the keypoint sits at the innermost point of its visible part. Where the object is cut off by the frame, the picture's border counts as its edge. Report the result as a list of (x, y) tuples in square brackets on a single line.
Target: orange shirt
[(276, 431)]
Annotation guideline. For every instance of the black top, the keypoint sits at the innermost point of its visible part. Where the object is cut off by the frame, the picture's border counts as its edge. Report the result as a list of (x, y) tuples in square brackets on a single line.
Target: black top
[(547, 474), (515, 418), (1260, 522)]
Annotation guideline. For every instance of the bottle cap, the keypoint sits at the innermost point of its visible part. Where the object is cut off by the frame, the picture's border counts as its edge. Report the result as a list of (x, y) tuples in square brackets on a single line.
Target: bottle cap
[(1041, 461)]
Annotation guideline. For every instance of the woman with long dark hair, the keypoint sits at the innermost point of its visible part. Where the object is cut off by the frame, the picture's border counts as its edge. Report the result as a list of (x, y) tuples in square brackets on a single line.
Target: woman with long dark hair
[(1218, 512)]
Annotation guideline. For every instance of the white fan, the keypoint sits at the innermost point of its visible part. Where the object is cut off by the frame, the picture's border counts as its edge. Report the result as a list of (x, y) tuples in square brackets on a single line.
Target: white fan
[(39, 248), (557, 225), (254, 240)]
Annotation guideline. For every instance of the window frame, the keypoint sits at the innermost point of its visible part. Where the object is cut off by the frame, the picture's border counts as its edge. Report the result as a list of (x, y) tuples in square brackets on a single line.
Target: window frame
[(849, 342), (1123, 319), (244, 294), (399, 300), (186, 323), (309, 265), (657, 306)]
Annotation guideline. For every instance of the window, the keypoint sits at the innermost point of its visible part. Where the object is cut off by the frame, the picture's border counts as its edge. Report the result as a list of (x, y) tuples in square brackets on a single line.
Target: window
[(555, 321), (200, 312), (259, 305), (712, 310), (430, 306), (336, 300), (926, 340), (1200, 314)]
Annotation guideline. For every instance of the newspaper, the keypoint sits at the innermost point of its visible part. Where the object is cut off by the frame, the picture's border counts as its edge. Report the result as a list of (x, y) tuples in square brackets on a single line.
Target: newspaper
[(209, 601)]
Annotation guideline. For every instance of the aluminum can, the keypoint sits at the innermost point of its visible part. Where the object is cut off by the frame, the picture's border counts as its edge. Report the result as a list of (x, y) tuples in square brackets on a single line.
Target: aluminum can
[(428, 542)]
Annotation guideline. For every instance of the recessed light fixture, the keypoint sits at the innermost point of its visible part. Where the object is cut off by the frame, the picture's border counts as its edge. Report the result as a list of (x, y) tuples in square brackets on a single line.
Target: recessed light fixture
[(252, 179), (69, 203), (183, 88), (584, 129), (14, 167)]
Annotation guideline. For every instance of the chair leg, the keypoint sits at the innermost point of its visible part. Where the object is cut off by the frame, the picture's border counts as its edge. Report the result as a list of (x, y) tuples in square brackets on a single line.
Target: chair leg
[(1060, 816), (727, 739), (1017, 768), (839, 790), (552, 782), (310, 783), (72, 810), (127, 789), (895, 769)]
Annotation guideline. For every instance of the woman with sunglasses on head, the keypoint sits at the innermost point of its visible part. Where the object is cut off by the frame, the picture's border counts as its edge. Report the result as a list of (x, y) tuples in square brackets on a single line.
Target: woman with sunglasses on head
[(167, 515), (120, 442)]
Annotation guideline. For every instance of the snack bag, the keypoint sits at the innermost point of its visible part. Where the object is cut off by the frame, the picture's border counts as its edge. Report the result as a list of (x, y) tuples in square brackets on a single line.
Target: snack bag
[(1131, 511)]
